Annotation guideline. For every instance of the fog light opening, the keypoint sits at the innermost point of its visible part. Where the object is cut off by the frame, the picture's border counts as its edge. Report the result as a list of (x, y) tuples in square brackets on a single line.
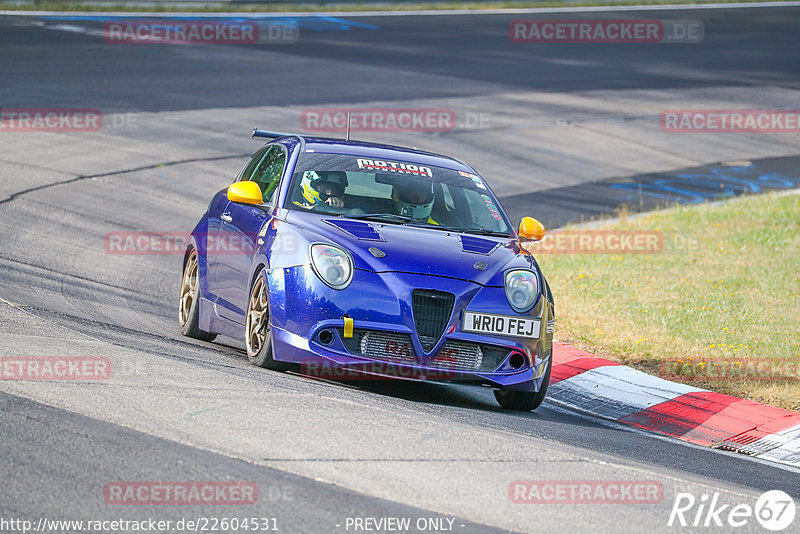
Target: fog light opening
[(517, 360), (326, 337)]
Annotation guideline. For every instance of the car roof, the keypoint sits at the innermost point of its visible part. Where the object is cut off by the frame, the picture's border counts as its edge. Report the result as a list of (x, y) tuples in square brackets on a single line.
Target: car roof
[(328, 145)]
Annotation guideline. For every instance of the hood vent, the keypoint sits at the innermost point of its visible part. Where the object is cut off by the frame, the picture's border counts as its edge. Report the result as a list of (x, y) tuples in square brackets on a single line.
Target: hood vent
[(360, 230), (478, 245)]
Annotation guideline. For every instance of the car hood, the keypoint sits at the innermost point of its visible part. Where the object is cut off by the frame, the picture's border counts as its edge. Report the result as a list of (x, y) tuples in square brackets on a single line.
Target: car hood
[(382, 247)]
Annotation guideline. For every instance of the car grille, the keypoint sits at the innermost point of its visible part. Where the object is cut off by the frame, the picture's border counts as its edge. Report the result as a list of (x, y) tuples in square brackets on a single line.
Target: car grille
[(432, 310), (395, 347), (387, 346), (466, 356)]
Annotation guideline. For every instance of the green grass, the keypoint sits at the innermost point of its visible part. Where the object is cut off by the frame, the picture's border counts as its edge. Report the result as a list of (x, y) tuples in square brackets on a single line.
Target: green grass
[(725, 287), (269, 7)]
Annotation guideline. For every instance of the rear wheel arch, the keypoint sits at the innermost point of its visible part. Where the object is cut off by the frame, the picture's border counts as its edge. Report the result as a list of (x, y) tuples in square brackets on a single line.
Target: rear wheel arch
[(190, 295)]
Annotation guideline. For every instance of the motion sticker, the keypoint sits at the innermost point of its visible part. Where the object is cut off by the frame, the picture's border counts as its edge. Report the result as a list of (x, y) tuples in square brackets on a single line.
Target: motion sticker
[(393, 166)]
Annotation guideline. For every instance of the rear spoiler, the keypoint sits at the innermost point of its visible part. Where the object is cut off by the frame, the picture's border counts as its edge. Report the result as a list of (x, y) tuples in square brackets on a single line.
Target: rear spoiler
[(258, 132)]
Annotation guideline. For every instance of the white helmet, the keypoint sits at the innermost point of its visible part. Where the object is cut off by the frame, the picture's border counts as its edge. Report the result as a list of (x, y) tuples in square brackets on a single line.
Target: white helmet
[(414, 199)]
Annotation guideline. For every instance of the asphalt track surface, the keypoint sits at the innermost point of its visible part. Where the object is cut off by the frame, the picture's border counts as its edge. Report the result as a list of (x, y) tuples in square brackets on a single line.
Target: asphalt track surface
[(463, 55), (320, 452)]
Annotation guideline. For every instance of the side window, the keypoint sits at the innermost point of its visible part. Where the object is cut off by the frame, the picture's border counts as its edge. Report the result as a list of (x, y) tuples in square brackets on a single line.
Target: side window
[(268, 172), (251, 165)]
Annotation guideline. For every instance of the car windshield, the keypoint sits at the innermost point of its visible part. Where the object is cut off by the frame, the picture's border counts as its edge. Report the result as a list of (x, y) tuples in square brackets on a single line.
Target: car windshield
[(395, 192)]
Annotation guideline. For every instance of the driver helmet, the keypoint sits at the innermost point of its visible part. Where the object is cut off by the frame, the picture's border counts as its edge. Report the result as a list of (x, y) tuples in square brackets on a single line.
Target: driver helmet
[(317, 186), (414, 199)]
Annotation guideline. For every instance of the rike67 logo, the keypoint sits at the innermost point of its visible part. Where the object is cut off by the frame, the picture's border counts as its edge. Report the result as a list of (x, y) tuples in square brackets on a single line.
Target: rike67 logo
[(774, 510)]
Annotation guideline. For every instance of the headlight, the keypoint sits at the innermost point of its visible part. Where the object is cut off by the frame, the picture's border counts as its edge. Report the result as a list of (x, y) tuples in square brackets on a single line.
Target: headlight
[(332, 265), (522, 289)]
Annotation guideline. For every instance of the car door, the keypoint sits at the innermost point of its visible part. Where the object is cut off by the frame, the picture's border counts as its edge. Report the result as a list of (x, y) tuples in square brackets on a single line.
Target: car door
[(218, 206), (238, 241)]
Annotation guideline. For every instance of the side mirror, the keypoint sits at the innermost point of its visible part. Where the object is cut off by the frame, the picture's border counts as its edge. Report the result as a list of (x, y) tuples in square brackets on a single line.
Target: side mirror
[(530, 229), (246, 193)]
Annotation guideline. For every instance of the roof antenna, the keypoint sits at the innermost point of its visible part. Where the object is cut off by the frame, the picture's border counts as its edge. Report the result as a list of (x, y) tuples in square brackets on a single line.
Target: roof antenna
[(347, 133)]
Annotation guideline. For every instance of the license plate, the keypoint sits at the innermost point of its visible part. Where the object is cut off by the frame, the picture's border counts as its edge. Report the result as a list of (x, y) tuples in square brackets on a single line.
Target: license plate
[(505, 325)]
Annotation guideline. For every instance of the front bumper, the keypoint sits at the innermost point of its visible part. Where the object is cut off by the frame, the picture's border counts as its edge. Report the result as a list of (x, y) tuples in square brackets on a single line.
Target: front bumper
[(308, 328)]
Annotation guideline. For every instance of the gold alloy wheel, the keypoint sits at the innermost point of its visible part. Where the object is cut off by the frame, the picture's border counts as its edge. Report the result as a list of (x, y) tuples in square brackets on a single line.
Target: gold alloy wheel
[(257, 318), (188, 289)]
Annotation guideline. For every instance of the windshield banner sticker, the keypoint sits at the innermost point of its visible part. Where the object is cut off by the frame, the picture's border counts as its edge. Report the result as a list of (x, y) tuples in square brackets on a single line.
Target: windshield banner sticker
[(393, 166), (492, 208), (475, 178)]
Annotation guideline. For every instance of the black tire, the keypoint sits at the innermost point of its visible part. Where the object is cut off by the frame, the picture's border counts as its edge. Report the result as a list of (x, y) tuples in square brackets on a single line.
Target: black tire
[(189, 303), (258, 332), (522, 400)]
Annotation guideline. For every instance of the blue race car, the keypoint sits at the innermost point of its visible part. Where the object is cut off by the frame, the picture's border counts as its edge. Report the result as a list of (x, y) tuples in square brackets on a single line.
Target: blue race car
[(381, 261)]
